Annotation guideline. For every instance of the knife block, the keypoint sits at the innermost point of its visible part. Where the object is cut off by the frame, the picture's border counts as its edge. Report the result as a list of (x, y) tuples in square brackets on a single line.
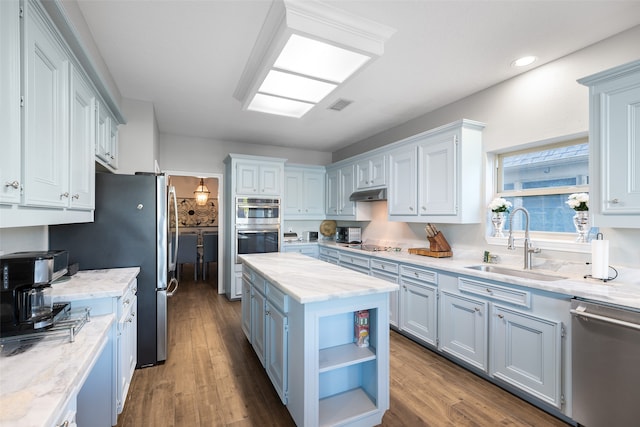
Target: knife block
[(438, 247)]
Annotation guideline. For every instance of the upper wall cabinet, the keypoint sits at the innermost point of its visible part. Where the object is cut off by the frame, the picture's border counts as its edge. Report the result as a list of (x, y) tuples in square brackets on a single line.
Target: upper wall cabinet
[(614, 138), (106, 137), (436, 176), (10, 160), (371, 172), (258, 178), (340, 185), (304, 194)]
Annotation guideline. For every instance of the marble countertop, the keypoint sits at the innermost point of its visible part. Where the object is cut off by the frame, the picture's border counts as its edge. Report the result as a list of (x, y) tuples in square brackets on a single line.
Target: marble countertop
[(309, 280), (623, 291), (93, 284), (35, 385)]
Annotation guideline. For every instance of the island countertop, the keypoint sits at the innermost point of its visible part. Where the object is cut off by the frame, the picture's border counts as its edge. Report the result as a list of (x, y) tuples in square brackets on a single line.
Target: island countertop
[(308, 280)]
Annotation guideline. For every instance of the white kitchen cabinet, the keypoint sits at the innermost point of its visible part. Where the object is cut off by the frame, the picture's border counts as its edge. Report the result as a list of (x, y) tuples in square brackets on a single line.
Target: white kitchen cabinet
[(427, 185), (304, 195), (46, 111), (402, 197), (371, 172), (258, 178), (81, 144), (614, 146), (258, 331), (387, 270), (11, 159), (526, 352), (340, 186), (329, 255), (245, 304), (418, 304), (106, 136), (353, 262), (309, 249), (464, 329)]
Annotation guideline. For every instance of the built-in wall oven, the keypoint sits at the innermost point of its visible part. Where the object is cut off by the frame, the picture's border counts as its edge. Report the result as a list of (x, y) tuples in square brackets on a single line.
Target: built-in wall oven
[(257, 225)]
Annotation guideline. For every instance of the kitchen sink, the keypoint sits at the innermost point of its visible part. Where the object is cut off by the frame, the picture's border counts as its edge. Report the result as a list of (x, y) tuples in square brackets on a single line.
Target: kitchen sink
[(525, 274)]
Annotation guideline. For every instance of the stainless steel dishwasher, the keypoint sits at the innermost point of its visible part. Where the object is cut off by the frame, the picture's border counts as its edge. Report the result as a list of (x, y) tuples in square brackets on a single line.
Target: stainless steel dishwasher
[(606, 364)]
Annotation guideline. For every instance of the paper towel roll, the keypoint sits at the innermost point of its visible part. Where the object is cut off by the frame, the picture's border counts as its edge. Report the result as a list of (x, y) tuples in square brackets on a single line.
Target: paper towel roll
[(600, 259)]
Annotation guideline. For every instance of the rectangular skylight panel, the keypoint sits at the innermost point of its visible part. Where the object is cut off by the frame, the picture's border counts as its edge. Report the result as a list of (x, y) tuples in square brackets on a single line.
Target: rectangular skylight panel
[(280, 106), (318, 59), (295, 86)]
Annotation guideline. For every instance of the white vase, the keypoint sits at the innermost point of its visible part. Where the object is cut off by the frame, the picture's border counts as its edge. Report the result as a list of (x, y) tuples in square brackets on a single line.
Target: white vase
[(581, 222), (497, 219)]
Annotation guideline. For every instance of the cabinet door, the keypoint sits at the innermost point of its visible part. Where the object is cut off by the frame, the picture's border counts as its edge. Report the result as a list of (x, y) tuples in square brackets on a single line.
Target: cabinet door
[(313, 194), (363, 174), (276, 350), (247, 178), (621, 153), (418, 311), (127, 354), (269, 182), (258, 324), (377, 167), (403, 182), (347, 184), (292, 202), (438, 176), (113, 143), (46, 77), (526, 352), (11, 159), (463, 328), (246, 308), (333, 180), (102, 128), (82, 144)]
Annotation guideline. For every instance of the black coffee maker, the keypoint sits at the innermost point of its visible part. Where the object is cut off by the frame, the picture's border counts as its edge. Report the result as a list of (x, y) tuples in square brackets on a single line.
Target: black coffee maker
[(24, 307)]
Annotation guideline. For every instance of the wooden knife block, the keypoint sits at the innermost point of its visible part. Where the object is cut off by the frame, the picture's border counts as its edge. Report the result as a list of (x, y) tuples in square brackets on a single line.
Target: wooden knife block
[(438, 247)]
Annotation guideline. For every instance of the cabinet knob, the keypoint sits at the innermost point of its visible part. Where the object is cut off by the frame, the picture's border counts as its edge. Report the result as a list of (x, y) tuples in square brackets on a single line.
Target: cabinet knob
[(501, 316), (424, 208), (488, 290), (411, 208), (65, 194), (14, 184), (107, 154), (76, 196), (614, 201), (476, 309)]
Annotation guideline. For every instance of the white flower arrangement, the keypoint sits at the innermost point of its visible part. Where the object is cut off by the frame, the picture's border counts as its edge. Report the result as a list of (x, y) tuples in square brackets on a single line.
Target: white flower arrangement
[(578, 201), (500, 205)]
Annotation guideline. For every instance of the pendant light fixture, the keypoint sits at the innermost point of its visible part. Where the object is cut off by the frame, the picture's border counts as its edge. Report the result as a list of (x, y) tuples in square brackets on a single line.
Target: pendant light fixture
[(201, 193)]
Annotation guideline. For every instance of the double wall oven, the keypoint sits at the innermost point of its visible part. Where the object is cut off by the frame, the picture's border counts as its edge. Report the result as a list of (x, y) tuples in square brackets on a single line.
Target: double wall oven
[(257, 225)]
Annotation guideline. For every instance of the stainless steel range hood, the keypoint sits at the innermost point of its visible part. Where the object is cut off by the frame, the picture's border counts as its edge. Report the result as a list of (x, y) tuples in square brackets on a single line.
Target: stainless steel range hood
[(369, 195)]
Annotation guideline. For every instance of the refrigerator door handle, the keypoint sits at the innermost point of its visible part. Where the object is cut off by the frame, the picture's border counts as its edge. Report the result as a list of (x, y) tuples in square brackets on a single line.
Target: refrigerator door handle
[(174, 198), (173, 282)]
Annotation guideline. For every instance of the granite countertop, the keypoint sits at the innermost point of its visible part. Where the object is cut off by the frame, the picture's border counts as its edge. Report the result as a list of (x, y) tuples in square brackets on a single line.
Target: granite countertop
[(92, 284), (623, 291), (35, 385), (309, 280)]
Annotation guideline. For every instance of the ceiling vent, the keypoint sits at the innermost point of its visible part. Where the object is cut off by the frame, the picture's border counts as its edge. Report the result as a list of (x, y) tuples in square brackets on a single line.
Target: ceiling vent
[(340, 104)]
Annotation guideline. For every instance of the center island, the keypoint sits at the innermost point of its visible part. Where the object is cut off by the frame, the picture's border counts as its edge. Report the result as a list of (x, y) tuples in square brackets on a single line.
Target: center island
[(299, 314)]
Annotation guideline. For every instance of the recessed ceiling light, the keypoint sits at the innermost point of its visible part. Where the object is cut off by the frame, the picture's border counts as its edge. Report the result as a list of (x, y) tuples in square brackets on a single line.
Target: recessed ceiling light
[(524, 61)]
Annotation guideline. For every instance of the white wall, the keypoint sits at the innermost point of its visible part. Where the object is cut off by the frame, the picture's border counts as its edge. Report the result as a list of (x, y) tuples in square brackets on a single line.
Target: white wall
[(542, 104), (23, 239), (207, 155), (139, 142)]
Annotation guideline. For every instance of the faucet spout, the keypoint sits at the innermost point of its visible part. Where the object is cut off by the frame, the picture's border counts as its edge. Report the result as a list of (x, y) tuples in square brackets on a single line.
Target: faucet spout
[(529, 250)]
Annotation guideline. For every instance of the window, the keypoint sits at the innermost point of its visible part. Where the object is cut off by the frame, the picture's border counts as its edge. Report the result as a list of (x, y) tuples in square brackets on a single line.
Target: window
[(540, 180)]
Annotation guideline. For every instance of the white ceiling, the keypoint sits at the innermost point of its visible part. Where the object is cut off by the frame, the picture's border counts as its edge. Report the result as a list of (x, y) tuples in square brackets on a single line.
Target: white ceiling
[(186, 57)]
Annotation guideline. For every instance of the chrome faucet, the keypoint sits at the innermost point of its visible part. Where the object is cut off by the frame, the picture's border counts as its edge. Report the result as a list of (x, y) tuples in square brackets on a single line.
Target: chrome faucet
[(529, 250)]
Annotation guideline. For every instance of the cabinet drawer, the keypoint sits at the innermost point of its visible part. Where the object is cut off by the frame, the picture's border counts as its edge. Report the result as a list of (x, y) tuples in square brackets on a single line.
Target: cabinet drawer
[(419, 274), (389, 267), (328, 252), (499, 293), (277, 298), (346, 258), (254, 278), (127, 299)]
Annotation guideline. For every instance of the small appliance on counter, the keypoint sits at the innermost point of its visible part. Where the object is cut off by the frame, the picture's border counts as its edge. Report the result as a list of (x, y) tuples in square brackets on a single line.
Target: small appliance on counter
[(310, 236), (348, 235), (290, 237), (25, 278)]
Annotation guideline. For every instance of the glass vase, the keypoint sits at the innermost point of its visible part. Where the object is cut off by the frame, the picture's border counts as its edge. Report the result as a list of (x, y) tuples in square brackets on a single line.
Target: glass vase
[(581, 222), (497, 219)]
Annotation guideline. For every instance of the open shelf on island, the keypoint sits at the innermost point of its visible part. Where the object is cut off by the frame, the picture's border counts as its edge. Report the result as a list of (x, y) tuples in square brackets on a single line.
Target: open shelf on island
[(344, 355), (341, 407)]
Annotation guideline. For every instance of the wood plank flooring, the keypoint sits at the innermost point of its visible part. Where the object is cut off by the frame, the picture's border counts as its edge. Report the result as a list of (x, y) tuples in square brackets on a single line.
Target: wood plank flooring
[(212, 377)]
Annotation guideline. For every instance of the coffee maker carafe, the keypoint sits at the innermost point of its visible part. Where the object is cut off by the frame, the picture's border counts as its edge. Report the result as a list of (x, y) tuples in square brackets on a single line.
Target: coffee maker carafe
[(26, 279)]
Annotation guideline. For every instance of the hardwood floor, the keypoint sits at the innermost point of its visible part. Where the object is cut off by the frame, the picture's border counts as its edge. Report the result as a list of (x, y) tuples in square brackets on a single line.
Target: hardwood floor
[(212, 377)]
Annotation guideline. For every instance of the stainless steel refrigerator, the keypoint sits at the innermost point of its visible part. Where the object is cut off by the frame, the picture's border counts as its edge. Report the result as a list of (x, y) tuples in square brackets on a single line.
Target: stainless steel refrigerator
[(131, 228)]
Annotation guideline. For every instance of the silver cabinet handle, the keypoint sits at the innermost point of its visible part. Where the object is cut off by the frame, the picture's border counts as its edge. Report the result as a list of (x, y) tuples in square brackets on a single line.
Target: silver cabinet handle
[(14, 184), (614, 201), (476, 309), (501, 316), (65, 194), (411, 208), (64, 424), (76, 196), (424, 208)]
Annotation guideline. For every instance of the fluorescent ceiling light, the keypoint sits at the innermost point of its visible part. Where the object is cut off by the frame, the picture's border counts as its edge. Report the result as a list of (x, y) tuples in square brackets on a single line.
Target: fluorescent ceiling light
[(318, 59), (295, 87), (280, 106), (304, 50), (524, 61)]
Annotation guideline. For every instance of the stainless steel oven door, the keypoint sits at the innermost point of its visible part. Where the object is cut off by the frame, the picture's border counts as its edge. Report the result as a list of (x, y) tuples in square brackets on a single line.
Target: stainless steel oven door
[(253, 211), (256, 240)]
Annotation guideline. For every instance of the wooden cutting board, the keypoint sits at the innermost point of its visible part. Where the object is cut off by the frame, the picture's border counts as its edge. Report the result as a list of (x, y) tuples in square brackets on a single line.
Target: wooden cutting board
[(428, 252)]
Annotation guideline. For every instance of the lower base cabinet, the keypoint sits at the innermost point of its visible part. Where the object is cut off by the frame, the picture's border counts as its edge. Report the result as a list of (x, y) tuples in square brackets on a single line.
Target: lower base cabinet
[(418, 304)]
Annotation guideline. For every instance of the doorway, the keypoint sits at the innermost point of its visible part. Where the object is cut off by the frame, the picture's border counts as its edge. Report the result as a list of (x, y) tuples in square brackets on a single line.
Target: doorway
[(201, 218)]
